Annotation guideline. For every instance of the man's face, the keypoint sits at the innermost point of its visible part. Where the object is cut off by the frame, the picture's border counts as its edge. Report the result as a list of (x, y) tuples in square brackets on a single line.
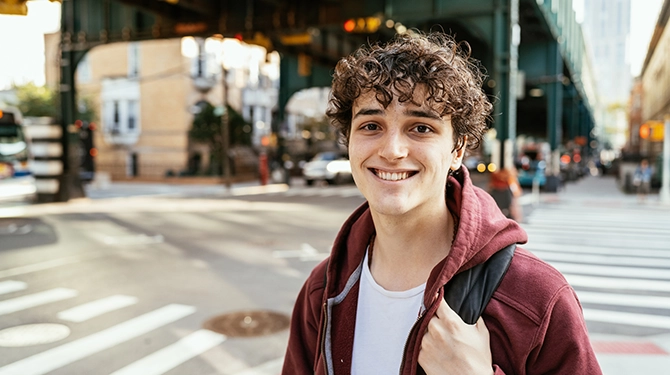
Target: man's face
[(400, 155)]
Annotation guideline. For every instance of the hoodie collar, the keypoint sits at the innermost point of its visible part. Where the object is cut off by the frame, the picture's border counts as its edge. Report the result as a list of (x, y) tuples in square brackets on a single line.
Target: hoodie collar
[(482, 231)]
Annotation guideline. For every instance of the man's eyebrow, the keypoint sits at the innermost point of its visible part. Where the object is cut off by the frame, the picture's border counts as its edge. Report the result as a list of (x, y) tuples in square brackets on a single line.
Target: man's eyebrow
[(422, 113), (369, 112)]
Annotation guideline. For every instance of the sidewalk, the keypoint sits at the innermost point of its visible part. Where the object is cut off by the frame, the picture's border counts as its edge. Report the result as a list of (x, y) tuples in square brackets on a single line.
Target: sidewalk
[(594, 191)]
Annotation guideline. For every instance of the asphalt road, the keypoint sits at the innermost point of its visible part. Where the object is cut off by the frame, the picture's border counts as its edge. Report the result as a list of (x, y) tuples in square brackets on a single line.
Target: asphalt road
[(131, 277), (173, 261)]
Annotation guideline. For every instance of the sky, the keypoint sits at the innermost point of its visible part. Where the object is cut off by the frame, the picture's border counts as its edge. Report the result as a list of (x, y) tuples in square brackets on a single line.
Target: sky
[(22, 42)]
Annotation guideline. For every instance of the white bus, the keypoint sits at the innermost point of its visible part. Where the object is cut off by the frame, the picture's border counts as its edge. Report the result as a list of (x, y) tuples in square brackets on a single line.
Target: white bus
[(17, 182)]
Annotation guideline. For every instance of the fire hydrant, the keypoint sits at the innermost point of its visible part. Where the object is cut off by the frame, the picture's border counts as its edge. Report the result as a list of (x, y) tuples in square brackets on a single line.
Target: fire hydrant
[(263, 171)]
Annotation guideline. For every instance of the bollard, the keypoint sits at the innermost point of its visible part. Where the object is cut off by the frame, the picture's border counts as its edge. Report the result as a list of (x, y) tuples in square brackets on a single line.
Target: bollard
[(263, 168)]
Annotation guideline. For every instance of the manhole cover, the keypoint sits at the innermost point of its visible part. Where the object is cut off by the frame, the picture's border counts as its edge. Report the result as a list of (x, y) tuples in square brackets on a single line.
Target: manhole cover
[(248, 323), (33, 334)]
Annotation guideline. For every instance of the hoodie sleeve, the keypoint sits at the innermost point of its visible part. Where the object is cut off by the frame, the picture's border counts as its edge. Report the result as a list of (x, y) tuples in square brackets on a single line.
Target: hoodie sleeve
[(303, 342), (562, 345)]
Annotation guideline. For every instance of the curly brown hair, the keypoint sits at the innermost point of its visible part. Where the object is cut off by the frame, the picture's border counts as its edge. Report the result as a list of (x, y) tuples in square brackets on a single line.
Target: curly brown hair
[(452, 81)]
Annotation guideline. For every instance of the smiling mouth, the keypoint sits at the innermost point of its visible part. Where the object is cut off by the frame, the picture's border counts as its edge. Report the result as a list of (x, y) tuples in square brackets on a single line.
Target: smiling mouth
[(392, 176)]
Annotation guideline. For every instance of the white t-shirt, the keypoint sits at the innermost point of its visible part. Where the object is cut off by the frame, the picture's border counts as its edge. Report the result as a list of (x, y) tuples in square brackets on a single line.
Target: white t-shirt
[(383, 322)]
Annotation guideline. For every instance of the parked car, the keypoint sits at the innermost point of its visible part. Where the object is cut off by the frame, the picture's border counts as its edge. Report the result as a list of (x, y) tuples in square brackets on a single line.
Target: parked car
[(330, 166), (17, 182)]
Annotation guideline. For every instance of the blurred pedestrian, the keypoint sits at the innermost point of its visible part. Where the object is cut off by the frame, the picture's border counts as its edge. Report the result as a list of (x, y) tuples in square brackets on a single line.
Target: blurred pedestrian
[(505, 189), (408, 110), (642, 180)]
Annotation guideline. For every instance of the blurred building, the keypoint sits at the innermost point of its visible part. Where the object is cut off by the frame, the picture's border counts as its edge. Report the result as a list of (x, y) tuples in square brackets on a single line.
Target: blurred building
[(635, 118), (606, 28), (145, 95), (655, 78)]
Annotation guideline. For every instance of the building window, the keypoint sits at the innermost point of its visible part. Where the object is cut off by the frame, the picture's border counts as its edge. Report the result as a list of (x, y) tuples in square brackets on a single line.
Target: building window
[(116, 117), (132, 115), (133, 60), (84, 70)]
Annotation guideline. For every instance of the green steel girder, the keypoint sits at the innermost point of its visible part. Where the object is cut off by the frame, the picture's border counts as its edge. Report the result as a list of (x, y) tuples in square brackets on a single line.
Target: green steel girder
[(488, 25)]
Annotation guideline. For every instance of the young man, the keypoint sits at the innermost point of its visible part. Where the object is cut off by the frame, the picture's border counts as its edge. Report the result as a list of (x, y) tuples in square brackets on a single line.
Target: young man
[(408, 110)]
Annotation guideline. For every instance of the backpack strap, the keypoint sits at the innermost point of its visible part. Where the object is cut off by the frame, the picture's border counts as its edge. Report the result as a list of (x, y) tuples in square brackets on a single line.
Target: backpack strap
[(468, 292)]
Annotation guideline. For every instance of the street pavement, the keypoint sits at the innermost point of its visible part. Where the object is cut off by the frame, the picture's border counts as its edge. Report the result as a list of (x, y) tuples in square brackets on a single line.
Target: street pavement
[(613, 249)]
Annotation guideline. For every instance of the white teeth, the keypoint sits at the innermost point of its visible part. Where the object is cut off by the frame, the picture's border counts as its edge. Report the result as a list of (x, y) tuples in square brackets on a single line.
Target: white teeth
[(394, 176)]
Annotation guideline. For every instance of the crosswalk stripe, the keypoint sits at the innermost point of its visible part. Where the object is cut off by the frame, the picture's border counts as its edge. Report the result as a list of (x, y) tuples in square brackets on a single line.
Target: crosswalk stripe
[(589, 231), (603, 259), (63, 355), (11, 286), (37, 299), (627, 318), (613, 299), (599, 282), (597, 239), (268, 368), (39, 266), (532, 245), (172, 356), (618, 223), (92, 309), (615, 271)]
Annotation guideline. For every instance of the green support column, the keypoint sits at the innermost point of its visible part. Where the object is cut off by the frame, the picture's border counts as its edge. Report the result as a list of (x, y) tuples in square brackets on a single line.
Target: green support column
[(554, 91), (505, 69), (69, 184)]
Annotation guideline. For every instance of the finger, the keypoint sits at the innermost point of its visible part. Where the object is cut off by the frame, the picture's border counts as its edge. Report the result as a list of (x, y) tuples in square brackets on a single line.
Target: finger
[(444, 311)]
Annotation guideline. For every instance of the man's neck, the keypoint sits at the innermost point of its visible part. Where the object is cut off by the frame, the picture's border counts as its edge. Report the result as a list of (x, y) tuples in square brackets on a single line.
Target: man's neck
[(406, 249)]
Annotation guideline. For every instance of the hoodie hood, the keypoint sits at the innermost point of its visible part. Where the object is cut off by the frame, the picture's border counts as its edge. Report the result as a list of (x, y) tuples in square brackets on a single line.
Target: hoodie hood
[(483, 230)]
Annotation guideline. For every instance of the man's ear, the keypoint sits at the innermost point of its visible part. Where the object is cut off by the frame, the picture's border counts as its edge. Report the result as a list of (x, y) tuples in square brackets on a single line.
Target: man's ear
[(459, 153)]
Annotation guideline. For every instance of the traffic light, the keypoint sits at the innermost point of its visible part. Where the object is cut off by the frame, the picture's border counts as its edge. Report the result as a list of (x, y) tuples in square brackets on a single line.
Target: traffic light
[(362, 25), (88, 152), (16, 7)]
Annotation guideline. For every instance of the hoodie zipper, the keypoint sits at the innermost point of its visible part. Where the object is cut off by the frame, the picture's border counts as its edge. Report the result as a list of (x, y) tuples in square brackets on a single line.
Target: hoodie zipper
[(404, 349)]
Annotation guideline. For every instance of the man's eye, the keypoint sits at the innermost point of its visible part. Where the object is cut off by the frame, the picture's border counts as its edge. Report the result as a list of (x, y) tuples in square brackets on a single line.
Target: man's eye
[(370, 126), (423, 129)]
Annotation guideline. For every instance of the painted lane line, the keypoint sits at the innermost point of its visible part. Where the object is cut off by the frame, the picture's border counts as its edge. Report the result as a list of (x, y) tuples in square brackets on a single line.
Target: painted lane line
[(63, 355), (39, 266), (533, 245), (612, 299), (174, 355), (626, 318), (37, 299), (615, 271), (603, 259), (620, 284), (90, 310), (268, 368), (11, 286)]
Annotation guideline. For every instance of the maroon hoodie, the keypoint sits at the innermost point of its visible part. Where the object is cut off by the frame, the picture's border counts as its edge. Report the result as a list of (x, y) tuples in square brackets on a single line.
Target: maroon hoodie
[(534, 318)]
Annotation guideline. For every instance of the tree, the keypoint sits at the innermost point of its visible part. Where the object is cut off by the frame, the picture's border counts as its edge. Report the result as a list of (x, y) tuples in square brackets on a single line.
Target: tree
[(206, 128), (37, 101), (40, 101)]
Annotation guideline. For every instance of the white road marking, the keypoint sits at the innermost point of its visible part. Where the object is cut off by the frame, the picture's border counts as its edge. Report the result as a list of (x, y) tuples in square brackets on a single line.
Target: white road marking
[(172, 356), (627, 318), (11, 286), (614, 283), (37, 299), (603, 259), (90, 310), (612, 299), (533, 245), (306, 253), (63, 355), (268, 368), (615, 271), (39, 266)]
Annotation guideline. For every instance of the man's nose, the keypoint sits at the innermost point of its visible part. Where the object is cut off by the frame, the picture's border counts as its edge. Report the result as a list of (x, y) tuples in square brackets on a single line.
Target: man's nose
[(393, 146)]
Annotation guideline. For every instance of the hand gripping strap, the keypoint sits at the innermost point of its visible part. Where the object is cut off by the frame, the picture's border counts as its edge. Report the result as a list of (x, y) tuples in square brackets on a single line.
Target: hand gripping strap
[(469, 292)]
